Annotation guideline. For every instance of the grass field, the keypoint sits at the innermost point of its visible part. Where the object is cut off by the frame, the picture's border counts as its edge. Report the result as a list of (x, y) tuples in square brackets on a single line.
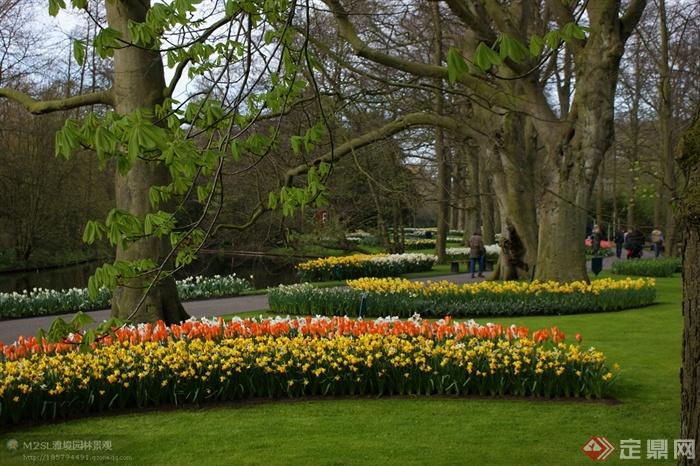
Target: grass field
[(645, 342)]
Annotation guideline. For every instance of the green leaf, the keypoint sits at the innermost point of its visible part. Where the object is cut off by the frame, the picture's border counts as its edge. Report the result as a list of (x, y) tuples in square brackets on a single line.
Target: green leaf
[(92, 287), (552, 39), (79, 51), (297, 142), (272, 201), (536, 45), (67, 139), (89, 233), (456, 66), (572, 31), (202, 193), (485, 57), (89, 337), (324, 168), (80, 320), (513, 49), (147, 225), (231, 8), (105, 141), (55, 6), (106, 41), (235, 150)]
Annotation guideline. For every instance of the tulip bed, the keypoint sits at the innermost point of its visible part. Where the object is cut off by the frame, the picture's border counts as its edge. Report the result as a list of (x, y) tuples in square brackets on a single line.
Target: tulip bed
[(394, 296), (39, 302), (364, 265), (212, 360)]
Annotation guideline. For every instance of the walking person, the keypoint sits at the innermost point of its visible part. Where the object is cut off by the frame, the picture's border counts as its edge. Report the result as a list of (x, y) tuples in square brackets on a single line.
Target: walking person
[(477, 253), (619, 242), (635, 244), (657, 241)]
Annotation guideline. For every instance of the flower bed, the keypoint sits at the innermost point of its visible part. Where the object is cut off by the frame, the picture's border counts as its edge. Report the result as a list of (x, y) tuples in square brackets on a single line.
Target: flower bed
[(364, 265), (492, 253), (648, 267), (404, 298), (203, 361), (38, 301)]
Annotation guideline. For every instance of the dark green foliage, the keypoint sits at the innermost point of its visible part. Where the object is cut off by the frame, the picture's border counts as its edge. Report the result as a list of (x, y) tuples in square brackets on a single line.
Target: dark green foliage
[(648, 267)]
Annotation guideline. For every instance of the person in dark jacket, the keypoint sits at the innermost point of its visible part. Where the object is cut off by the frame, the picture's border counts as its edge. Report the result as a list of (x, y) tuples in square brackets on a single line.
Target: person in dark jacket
[(477, 253), (635, 244)]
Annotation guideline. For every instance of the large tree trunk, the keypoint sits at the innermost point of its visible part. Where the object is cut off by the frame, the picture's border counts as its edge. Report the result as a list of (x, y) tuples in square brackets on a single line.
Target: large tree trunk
[(513, 171), (561, 253), (689, 215), (577, 149), (139, 83)]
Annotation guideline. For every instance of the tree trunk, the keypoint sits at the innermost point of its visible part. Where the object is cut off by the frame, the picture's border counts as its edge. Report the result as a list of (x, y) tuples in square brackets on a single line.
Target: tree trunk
[(561, 253), (513, 173), (486, 204), (472, 211), (456, 191), (689, 216), (600, 197), (665, 114), (634, 135), (443, 172), (139, 83), (576, 149)]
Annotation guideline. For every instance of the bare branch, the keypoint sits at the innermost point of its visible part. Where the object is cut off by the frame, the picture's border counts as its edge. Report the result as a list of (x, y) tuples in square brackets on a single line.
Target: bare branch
[(391, 128), (481, 87)]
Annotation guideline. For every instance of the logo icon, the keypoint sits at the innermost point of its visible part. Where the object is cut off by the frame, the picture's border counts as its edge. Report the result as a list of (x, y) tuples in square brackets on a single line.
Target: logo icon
[(598, 448), (12, 444)]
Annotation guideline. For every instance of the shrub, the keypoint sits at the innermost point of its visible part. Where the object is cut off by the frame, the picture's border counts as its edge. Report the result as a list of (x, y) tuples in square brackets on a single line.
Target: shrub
[(364, 265), (384, 297), (205, 361), (39, 302), (647, 267)]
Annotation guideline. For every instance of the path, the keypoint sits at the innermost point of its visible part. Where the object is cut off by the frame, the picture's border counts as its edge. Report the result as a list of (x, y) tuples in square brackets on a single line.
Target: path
[(11, 329)]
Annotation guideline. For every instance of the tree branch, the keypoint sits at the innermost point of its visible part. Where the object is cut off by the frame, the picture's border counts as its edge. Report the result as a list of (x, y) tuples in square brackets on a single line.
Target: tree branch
[(257, 212), (631, 17), (482, 88), (391, 128), (183, 64), (40, 107)]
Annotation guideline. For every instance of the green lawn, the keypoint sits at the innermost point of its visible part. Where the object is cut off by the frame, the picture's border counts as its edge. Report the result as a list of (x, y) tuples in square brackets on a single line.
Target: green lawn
[(645, 342)]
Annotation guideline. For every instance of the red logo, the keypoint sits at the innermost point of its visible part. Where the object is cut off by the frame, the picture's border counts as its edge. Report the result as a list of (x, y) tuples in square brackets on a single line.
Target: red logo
[(597, 448)]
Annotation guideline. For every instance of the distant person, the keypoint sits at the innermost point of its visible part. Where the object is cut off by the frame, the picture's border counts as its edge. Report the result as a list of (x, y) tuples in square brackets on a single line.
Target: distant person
[(635, 244), (619, 242), (596, 236), (477, 253), (657, 241)]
